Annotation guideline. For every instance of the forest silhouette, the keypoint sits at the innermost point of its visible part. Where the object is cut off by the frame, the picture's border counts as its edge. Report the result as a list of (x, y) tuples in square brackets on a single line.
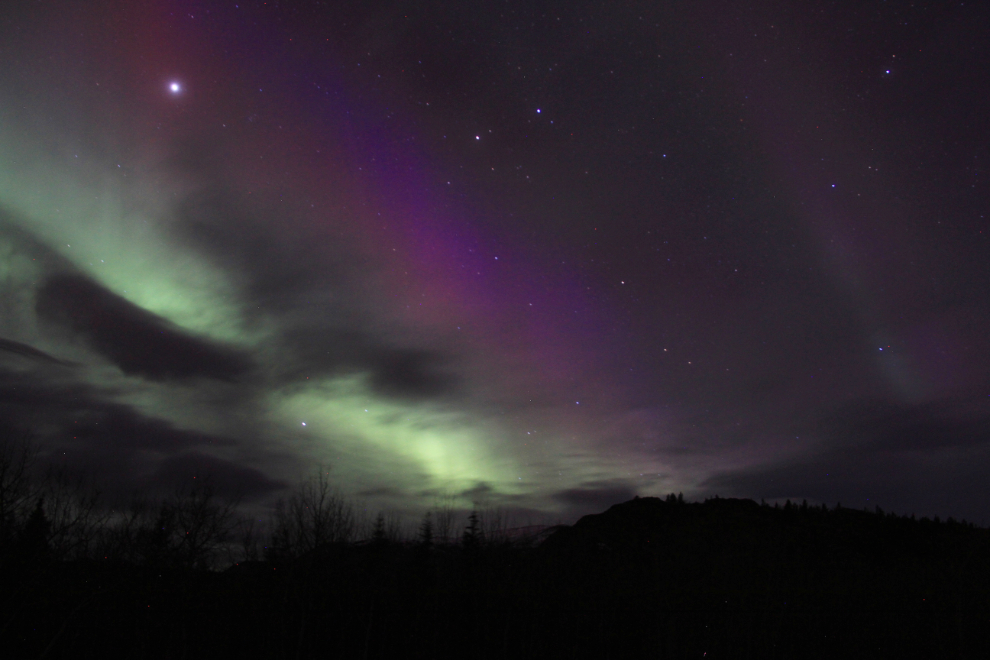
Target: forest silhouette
[(187, 576)]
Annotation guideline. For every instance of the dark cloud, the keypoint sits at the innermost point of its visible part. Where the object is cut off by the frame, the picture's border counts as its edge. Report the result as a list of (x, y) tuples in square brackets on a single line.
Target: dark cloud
[(278, 269), (312, 349), (136, 340), (480, 492), (928, 426), (228, 478), (596, 496), (383, 492), (922, 484), (23, 240), (119, 427), (115, 445), (78, 415), (307, 281), (410, 373), (927, 458), (23, 394), (24, 350)]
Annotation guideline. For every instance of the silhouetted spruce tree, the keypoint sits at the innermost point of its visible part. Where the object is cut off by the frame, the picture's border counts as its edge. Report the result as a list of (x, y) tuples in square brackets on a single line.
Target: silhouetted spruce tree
[(379, 535), (423, 552), (155, 544), (33, 542), (426, 531), (471, 540)]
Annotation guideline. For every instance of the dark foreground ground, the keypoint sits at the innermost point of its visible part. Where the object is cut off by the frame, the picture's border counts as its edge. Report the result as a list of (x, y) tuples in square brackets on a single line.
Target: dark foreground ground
[(649, 578)]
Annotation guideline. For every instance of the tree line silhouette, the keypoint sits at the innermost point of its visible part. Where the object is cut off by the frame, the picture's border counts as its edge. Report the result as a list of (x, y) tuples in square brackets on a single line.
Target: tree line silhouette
[(187, 575)]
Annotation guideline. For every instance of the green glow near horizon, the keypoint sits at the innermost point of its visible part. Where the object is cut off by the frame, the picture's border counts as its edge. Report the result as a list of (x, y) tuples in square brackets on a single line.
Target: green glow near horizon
[(115, 228), (449, 450), (120, 243)]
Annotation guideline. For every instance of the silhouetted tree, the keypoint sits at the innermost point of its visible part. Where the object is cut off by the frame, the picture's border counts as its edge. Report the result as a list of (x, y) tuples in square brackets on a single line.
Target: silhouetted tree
[(154, 543), (494, 525), (472, 537), (444, 515), (190, 529), (17, 455), (378, 534), (76, 513), (205, 523), (426, 531), (246, 533), (32, 543), (314, 516)]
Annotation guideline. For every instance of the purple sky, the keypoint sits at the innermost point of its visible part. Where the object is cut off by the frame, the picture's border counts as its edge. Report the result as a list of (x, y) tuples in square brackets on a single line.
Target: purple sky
[(539, 256)]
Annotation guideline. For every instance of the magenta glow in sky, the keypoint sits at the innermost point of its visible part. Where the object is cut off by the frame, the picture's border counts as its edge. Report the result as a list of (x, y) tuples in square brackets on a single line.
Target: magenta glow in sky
[(536, 258)]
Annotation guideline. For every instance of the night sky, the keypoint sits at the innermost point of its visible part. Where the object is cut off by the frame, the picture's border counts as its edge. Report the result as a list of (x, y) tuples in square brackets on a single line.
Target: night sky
[(544, 256)]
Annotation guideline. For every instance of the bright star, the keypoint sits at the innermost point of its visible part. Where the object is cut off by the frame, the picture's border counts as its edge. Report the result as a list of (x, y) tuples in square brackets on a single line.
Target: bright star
[(175, 87)]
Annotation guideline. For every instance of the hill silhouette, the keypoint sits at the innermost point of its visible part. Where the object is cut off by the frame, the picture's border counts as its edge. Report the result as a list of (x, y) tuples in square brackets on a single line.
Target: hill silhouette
[(732, 578)]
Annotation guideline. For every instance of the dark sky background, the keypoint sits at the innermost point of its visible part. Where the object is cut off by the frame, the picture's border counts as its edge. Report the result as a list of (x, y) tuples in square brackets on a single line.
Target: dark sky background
[(537, 255)]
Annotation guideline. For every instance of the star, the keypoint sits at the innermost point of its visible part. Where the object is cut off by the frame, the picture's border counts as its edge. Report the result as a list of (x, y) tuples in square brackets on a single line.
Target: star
[(175, 87)]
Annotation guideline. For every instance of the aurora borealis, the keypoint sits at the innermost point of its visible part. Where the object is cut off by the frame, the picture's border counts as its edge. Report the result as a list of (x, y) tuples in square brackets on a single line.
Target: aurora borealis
[(541, 256)]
